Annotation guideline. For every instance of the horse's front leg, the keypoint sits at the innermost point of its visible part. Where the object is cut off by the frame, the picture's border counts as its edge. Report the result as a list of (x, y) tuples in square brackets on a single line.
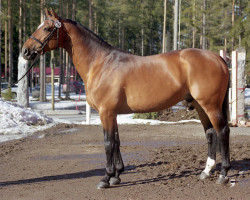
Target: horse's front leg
[(108, 122), (118, 162)]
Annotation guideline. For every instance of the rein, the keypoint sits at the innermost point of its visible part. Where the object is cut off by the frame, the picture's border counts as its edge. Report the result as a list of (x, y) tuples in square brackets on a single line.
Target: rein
[(58, 25), (12, 84)]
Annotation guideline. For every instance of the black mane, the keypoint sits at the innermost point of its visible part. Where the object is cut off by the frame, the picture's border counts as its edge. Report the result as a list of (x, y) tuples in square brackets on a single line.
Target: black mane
[(90, 33)]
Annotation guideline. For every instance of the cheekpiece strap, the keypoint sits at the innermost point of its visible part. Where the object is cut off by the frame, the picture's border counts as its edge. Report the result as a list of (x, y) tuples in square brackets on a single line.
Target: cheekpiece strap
[(57, 24)]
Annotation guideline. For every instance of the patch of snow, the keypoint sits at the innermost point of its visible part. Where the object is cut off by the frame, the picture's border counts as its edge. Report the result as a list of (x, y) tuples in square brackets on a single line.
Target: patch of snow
[(128, 119), (17, 121)]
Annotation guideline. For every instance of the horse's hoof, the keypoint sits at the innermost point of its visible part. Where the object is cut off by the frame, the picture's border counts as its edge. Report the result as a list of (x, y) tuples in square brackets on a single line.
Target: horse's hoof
[(222, 180), (114, 181), (102, 185), (203, 176)]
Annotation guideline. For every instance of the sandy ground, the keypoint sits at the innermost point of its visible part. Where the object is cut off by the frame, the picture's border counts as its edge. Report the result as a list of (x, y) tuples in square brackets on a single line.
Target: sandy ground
[(162, 162)]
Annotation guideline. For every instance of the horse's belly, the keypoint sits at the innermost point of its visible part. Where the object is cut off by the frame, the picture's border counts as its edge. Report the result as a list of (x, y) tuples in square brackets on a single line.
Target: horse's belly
[(154, 99)]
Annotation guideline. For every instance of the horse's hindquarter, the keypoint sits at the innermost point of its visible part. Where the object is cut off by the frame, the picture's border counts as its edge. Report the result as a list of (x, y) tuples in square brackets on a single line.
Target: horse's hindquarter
[(207, 75), (154, 83)]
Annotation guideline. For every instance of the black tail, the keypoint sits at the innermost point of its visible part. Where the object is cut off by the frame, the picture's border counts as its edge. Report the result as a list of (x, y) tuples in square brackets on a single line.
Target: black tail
[(225, 111), (225, 105)]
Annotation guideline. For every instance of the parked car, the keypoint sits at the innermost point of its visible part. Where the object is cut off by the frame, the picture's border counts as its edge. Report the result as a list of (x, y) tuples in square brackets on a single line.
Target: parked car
[(36, 92), (75, 86), (4, 88)]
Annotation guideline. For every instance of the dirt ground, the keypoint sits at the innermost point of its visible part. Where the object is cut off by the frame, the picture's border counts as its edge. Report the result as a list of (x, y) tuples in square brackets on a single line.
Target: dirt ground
[(162, 162), (184, 114)]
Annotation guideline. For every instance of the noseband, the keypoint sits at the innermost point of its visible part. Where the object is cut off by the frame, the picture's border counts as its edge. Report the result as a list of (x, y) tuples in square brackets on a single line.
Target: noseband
[(47, 39)]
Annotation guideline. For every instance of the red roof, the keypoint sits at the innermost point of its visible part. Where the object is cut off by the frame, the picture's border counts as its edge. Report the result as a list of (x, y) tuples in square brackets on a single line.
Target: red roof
[(56, 71)]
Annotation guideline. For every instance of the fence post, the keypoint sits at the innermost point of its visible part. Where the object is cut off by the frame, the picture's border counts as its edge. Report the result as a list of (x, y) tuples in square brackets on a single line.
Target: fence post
[(223, 54), (238, 85), (234, 87), (241, 84)]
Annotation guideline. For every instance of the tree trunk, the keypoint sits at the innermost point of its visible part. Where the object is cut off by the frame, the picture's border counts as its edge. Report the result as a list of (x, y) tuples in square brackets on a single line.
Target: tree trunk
[(10, 41), (20, 26), (32, 78), (67, 63), (176, 13), (74, 19), (122, 35), (24, 21), (0, 48), (119, 30), (225, 37), (194, 29), (42, 65), (95, 21), (74, 10), (52, 65), (164, 28), (90, 14), (60, 60), (6, 50), (142, 40), (233, 24), (179, 27), (204, 26), (61, 73), (22, 91), (168, 42)]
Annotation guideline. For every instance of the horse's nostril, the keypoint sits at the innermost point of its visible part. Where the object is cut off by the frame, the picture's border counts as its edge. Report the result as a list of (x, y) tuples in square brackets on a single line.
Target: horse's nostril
[(25, 52)]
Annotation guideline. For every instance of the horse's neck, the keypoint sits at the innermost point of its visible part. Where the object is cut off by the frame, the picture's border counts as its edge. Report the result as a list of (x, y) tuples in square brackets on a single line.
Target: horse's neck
[(81, 51)]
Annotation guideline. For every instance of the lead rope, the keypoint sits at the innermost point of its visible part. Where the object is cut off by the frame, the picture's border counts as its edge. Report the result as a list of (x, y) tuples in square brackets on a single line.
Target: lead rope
[(31, 66)]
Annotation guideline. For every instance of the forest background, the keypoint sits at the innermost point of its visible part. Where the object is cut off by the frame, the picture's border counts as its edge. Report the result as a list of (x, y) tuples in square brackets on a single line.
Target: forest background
[(134, 26)]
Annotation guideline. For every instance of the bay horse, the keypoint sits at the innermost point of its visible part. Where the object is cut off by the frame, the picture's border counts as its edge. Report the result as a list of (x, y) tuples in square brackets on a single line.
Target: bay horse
[(117, 82)]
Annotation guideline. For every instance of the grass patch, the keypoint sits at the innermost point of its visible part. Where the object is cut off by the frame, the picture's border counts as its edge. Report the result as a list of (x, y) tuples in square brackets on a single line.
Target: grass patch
[(8, 95), (151, 115)]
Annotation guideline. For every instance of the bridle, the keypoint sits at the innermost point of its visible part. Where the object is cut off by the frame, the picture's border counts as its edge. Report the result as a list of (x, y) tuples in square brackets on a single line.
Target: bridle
[(57, 26)]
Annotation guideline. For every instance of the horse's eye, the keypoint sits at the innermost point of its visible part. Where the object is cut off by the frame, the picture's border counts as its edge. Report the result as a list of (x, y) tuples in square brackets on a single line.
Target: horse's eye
[(45, 29)]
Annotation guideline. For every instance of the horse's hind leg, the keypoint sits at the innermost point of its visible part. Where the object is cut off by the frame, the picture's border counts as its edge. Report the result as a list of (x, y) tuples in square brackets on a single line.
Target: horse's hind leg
[(211, 140), (221, 126), (119, 166)]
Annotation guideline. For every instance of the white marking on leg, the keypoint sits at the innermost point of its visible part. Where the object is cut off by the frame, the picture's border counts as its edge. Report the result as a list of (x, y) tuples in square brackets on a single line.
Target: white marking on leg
[(209, 165)]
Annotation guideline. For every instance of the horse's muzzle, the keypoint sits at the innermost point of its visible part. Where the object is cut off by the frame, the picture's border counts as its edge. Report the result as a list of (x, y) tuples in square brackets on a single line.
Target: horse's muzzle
[(28, 55)]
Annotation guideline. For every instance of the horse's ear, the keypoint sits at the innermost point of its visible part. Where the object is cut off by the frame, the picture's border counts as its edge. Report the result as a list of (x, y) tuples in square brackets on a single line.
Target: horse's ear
[(53, 13), (47, 12)]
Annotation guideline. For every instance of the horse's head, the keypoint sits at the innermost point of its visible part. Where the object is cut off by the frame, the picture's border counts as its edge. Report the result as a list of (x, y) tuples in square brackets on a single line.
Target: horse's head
[(45, 38)]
